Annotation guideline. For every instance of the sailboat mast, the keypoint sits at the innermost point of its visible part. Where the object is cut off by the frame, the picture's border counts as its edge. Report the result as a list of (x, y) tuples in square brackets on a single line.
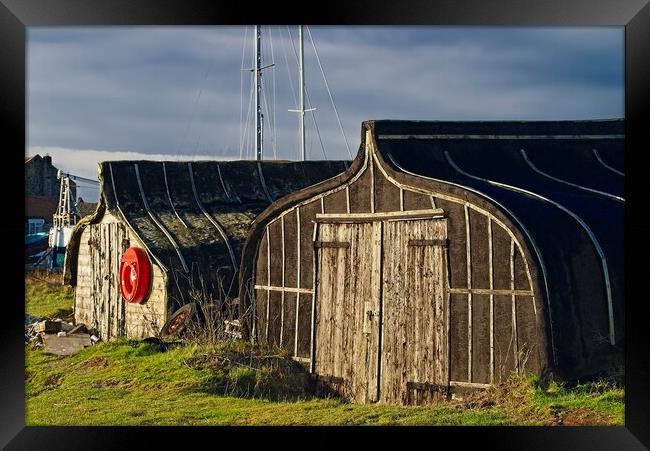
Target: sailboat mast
[(258, 89), (302, 93)]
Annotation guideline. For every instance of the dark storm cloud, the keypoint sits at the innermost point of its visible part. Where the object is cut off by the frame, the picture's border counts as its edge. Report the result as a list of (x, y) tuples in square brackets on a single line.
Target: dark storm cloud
[(162, 90)]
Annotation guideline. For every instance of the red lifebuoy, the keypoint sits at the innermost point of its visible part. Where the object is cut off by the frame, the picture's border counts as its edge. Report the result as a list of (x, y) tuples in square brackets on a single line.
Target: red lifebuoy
[(135, 275)]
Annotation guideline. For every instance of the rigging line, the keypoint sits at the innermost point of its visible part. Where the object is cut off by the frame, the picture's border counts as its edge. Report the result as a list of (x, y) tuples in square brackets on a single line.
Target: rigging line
[(328, 90), (313, 110), (266, 108), (271, 120), (241, 95), (196, 102), (286, 62), (248, 119), (274, 142), (313, 115), (295, 54)]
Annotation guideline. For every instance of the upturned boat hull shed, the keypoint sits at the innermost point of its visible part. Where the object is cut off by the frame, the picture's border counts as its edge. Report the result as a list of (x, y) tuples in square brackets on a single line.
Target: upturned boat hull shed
[(449, 255), (188, 222)]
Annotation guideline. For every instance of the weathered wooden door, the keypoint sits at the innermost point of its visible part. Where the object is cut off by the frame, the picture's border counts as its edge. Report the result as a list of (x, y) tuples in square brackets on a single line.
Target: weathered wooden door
[(347, 309), (414, 367), (381, 309), (108, 307)]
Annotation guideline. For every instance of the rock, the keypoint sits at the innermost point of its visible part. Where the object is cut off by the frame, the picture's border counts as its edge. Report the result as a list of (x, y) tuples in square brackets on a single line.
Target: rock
[(49, 327)]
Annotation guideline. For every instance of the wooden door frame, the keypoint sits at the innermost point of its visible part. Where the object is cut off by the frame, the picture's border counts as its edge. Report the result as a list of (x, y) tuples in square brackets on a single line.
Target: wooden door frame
[(381, 218)]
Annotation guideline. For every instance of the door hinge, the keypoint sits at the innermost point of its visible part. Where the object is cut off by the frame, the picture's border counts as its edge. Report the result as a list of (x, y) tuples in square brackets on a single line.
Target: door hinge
[(319, 244), (440, 242)]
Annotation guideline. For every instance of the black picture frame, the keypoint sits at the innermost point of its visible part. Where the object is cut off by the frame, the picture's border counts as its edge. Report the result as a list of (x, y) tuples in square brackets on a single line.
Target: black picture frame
[(16, 15)]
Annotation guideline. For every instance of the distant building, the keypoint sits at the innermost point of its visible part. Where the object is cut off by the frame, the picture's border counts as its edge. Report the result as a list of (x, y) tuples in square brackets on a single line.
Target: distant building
[(41, 193), (85, 208)]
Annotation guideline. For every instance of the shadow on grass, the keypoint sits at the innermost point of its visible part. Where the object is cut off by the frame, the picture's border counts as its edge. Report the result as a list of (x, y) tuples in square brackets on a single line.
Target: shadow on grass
[(242, 370)]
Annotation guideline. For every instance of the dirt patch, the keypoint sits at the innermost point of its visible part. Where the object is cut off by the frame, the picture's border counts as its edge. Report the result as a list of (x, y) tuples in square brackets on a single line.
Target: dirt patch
[(53, 381), (584, 416), (108, 383), (96, 362)]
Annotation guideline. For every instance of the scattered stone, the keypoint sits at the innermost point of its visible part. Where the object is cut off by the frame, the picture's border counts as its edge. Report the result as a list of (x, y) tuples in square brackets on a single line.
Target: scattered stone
[(65, 345)]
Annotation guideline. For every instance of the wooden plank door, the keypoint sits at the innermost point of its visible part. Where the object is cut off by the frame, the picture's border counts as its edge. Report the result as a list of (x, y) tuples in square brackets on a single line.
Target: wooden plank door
[(108, 308), (347, 303), (414, 367)]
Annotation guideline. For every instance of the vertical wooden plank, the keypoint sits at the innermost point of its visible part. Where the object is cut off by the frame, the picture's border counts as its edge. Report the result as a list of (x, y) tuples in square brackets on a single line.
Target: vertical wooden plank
[(347, 198), (401, 199), (491, 274), (480, 252), (339, 258), (415, 201), (298, 247), (376, 296), (372, 186), (528, 360), (259, 296), (387, 195), (503, 338), (335, 202), (282, 283), (501, 258), (274, 325), (313, 303), (360, 193), (414, 344), (468, 246), (514, 307), (268, 282), (481, 338)]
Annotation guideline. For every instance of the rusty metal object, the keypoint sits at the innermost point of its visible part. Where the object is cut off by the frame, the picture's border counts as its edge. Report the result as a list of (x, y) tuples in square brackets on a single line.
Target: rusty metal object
[(179, 320)]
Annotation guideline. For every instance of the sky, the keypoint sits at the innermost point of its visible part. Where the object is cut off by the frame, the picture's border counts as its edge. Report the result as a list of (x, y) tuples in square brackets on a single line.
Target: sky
[(114, 93)]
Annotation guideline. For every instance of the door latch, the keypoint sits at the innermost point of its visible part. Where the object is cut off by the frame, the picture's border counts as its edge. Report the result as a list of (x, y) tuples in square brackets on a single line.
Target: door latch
[(371, 313)]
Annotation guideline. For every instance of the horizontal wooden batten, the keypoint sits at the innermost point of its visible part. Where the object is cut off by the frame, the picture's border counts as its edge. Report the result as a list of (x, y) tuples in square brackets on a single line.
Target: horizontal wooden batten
[(427, 387), (442, 242), (284, 289), (319, 244), (301, 359), (468, 384), (489, 291), (384, 216)]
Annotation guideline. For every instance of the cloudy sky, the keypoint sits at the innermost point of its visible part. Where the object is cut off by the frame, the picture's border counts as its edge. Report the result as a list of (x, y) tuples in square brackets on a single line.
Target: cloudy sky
[(107, 93)]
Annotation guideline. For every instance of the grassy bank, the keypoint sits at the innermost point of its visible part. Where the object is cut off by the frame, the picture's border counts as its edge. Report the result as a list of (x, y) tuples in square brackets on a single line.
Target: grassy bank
[(46, 297), (132, 383)]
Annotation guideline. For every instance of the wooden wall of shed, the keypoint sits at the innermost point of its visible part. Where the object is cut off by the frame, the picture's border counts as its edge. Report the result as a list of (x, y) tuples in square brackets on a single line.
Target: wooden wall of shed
[(98, 302), (493, 324)]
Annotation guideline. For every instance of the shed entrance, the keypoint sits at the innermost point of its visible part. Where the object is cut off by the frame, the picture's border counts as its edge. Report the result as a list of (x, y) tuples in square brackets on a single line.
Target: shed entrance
[(381, 306)]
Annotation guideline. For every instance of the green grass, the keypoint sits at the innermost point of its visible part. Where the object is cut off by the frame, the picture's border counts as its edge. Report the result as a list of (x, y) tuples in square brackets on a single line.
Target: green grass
[(125, 382), (129, 383), (603, 402), (46, 297)]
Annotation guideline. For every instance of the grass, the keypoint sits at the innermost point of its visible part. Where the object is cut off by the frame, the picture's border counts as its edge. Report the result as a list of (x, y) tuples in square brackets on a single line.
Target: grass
[(46, 296), (130, 383), (125, 382)]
